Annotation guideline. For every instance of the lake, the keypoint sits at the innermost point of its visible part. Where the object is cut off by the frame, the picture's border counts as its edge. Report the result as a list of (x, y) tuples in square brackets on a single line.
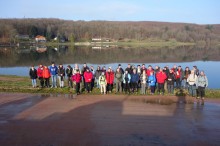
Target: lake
[(17, 61)]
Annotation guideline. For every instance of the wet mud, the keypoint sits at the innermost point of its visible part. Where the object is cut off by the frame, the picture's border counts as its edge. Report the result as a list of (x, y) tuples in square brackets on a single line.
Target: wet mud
[(96, 120)]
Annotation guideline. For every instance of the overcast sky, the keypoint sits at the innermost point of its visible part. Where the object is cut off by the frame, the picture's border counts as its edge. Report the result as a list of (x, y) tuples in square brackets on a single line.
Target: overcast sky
[(189, 11)]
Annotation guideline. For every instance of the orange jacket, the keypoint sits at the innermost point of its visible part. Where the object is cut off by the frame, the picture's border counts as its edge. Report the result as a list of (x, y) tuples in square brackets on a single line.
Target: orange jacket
[(46, 73)]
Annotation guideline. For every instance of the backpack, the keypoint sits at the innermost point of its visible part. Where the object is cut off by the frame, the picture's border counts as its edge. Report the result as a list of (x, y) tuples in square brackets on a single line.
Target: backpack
[(102, 79)]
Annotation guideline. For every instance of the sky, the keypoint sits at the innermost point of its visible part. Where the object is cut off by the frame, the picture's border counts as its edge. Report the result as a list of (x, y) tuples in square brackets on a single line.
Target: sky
[(186, 11)]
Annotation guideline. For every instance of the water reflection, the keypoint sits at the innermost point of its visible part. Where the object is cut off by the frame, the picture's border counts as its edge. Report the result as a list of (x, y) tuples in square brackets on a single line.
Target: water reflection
[(28, 55)]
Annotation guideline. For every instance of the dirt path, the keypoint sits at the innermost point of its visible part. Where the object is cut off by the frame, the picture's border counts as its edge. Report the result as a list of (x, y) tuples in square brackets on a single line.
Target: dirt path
[(85, 120)]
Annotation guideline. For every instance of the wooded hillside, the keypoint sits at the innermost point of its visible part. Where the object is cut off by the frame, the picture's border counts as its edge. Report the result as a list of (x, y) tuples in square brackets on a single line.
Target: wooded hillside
[(115, 30)]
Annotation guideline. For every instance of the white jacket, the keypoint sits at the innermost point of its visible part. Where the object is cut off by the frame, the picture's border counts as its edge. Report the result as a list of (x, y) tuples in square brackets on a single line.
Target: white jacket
[(192, 79)]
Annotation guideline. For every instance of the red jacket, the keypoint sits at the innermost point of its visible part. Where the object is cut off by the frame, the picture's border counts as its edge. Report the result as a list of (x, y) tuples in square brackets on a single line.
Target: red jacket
[(76, 77), (40, 72), (148, 71), (178, 73), (88, 76), (161, 77), (46, 73), (109, 77)]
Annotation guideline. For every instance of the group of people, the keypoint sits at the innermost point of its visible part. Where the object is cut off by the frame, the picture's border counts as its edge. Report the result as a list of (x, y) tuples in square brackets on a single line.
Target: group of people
[(128, 80)]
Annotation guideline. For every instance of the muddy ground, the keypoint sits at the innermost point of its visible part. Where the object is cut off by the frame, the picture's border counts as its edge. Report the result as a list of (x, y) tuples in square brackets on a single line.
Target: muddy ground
[(98, 120)]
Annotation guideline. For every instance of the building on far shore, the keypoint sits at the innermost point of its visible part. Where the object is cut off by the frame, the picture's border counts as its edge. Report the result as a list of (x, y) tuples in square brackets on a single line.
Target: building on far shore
[(22, 37), (40, 38)]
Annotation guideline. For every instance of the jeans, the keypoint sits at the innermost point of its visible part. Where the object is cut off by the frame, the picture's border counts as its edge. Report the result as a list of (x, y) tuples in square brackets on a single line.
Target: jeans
[(61, 81), (34, 82), (152, 89), (143, 88), (170, 88), (70, 82), (161, 87), (185, 84), (192, 90), (118, 86), (178, 83), (54, 80), (47, 84), (201, 92), (97, 83), (41, 81), (134, 86), (88, 86), (109, 87), (127, 87)]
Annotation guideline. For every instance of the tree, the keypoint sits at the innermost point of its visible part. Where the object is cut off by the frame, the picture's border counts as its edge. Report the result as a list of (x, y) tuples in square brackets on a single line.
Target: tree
[(71, 38), (33, 31)]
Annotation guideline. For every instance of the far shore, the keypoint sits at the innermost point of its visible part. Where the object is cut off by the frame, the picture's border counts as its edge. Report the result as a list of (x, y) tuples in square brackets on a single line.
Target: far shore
[(134, 43)]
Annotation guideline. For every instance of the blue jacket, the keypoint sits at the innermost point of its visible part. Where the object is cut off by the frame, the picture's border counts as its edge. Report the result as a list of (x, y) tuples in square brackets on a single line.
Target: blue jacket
[(53, 70), (134, 78), (152, 80)]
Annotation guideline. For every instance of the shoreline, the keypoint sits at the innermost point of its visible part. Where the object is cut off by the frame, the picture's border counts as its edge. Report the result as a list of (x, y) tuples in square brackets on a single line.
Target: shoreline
[(19, 84)]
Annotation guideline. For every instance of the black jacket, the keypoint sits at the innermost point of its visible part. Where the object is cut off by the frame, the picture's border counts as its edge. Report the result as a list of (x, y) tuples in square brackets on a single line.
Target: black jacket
[(69, 72), (33, 74), (170, 79)]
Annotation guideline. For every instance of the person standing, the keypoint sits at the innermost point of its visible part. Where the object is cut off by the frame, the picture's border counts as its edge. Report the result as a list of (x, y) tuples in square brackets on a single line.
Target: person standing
[(201, 83), (84, 69), (196, 70), (126, 81), (69, 72), (187, 72), (122, 71), (53, 71), (93, 77), (192, 83), (179, 77), (129, 69), (98, 73), (118, 80), (161, 77), (170, 82), (88, 80), (166, 71), (46, 76), (102, 82), (134, 81), (143, 80), (152, 82), (40, 75), (77, 78), (76, 67), (33, 76), (110, 79), (143, 68), (61, 75)]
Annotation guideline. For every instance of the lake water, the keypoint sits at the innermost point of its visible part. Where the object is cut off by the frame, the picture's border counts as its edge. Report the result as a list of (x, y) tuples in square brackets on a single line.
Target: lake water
[(17, 61)]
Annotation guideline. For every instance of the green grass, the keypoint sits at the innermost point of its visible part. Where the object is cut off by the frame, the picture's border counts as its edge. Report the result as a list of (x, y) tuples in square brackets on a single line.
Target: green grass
[(23, 85)]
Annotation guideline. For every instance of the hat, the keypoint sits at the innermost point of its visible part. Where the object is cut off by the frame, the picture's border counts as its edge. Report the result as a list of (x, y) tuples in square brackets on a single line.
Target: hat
[(119, 64), (110, 67)]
